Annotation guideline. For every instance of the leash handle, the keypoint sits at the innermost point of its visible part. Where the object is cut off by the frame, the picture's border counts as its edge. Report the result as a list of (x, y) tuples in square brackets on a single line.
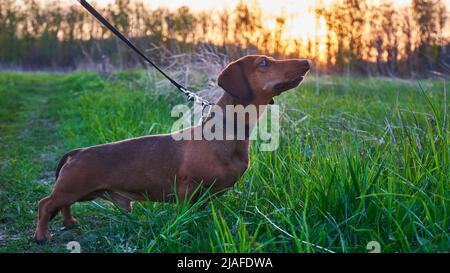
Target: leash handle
[(114, 30)]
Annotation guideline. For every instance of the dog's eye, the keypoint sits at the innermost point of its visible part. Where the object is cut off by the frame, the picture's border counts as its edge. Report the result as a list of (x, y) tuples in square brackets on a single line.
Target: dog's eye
[(263, 63)]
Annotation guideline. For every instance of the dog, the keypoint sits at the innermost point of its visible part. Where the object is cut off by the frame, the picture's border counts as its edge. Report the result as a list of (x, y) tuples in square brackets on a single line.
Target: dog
[(160, 168)]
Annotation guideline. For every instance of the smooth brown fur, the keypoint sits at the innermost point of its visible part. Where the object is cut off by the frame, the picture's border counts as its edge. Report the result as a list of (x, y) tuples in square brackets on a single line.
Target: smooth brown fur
[(157, 167)]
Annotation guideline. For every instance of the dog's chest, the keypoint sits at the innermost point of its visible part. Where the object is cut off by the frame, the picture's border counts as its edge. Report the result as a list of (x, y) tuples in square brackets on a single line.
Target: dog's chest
[(218, 163)]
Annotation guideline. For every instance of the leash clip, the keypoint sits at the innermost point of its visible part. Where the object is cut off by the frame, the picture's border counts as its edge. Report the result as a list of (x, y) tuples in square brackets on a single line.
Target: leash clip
[(208, 114), (191, 96)]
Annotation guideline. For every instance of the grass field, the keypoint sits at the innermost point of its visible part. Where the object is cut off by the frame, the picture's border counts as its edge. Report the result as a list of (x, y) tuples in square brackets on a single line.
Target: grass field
[(359, 160)]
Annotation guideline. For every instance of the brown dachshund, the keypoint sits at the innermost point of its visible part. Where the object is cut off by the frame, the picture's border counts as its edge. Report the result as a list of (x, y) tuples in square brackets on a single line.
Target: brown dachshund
[(159, 167)]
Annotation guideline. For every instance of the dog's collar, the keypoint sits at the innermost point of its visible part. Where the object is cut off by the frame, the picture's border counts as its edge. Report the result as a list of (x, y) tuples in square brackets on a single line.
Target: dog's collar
[(247, 128)]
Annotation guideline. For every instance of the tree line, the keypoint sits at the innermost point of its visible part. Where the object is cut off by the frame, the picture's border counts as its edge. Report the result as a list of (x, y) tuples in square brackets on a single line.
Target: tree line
[(360, 37)]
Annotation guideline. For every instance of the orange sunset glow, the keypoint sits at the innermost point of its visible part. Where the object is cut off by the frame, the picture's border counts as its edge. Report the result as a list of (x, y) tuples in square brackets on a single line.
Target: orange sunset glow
[(387, 36), (300, 22), (299, 13)]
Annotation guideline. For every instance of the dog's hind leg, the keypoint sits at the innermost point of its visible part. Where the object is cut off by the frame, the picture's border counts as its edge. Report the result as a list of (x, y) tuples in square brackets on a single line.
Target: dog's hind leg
[(49, 206), (68, 220), (42, 233)]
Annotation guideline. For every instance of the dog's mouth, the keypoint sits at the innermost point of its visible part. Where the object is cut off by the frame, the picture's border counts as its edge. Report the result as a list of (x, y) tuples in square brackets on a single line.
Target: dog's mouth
[(283, 86)]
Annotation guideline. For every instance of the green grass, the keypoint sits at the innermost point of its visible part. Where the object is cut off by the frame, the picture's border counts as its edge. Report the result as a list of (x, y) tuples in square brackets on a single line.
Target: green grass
[(359, 160)]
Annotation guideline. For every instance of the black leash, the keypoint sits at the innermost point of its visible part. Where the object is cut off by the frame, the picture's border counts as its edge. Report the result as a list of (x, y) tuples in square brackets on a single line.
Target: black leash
[(190, 95)]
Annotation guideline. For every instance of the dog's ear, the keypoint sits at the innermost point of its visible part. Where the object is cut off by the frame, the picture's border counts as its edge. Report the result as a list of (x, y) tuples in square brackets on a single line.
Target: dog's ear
[(234, 81)]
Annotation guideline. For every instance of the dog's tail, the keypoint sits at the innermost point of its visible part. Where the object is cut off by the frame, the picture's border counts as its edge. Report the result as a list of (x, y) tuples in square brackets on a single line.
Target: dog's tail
[(63, 161)]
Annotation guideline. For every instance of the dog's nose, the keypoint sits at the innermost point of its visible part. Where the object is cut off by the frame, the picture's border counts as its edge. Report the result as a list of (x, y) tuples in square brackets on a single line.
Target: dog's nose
[(306, 64)]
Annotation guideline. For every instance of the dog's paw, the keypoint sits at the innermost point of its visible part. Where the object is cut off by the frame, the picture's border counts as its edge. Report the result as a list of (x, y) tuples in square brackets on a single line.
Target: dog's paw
[(42, 237), (70, 223)]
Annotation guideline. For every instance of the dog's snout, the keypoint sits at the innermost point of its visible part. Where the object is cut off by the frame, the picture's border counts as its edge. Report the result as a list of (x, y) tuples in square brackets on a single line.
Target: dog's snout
[(306, 64)]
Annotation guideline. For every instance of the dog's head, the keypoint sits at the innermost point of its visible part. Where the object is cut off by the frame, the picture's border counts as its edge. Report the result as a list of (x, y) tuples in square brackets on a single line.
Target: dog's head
[(258, 78)]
